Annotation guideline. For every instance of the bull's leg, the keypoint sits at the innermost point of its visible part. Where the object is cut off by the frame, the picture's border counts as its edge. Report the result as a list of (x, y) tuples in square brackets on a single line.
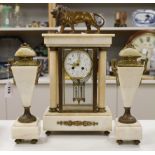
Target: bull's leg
[(97, 27), (88, 27)]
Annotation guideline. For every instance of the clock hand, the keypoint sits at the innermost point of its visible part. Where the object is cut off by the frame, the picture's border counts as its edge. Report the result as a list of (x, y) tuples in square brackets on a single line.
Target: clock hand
[(78, 58), (77, 63)]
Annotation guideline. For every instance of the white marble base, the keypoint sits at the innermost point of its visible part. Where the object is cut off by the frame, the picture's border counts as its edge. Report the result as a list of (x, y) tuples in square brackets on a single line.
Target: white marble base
[(128, 132), (54, 121), (26, 131)]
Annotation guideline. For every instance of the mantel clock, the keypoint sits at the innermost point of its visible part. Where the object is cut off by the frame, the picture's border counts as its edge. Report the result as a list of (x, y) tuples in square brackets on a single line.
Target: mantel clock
[(82, 58)]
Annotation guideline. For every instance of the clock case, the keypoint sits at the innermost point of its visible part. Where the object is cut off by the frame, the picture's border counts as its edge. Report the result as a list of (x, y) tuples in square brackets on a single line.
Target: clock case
[(83, 107)]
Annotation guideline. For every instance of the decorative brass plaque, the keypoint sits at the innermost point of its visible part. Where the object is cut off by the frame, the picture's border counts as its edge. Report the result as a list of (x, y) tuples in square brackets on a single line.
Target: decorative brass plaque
[(77, 123)]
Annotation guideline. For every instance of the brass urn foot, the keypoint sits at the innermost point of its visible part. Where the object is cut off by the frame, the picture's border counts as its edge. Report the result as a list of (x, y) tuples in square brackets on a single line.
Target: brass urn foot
[(127, 118), (27, 117)]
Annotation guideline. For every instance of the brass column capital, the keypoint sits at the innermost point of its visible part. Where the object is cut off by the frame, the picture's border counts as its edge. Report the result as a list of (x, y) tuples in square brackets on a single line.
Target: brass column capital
[(53, 49)]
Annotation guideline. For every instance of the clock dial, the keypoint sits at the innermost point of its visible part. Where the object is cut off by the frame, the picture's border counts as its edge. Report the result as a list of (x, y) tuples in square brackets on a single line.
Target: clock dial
[(78, 64), (145, 43)]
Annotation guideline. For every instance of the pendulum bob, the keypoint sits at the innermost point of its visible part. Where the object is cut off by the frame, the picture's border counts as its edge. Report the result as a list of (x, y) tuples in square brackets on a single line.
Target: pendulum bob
[(129, 74), (78, 91), (25, 72)]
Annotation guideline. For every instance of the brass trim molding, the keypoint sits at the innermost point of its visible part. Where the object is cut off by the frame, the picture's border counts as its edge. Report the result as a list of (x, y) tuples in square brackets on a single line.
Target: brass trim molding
[(128, 61), (77, 123)]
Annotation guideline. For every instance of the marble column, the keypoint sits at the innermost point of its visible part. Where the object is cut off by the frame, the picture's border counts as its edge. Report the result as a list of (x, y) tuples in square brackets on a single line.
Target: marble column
[(53, 79), (101, 80)]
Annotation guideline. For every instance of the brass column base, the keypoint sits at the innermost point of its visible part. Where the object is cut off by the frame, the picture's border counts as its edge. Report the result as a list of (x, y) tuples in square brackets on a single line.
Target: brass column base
[(27, 117), (127, 118), (52, 110), (101, 110)]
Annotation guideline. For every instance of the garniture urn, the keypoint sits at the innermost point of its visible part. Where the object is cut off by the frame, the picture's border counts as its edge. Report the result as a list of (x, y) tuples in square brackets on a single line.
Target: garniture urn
[(25, 73), (129, 70)]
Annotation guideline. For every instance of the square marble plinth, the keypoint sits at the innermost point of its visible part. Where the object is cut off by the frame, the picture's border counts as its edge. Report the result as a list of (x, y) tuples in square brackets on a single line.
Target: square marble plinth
[(99, 121), (26, 131), (128, 132)]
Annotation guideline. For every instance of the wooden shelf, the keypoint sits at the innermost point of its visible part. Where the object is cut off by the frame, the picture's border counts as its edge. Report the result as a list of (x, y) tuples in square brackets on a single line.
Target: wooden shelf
[(114, 28), (126, 28), (28, 29), (76, 28)]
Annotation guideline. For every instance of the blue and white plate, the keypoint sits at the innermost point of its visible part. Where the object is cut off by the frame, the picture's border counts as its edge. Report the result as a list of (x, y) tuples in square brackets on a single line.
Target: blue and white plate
[(144, 18)]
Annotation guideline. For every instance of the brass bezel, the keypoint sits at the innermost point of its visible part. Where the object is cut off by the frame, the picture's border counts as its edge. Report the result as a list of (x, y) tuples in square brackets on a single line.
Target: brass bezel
[(78, 78)]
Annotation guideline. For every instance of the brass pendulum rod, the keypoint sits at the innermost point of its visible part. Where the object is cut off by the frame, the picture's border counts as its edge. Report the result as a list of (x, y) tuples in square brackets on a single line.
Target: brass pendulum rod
[(79, 91)]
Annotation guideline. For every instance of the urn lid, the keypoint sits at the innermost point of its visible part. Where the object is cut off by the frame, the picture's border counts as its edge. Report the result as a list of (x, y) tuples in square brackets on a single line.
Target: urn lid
[(129, 58), (24, 56), (129, 52), (25, 51)]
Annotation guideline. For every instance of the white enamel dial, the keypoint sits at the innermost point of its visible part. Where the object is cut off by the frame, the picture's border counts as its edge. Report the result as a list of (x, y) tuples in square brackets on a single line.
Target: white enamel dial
[(145, 43), (78, 64)]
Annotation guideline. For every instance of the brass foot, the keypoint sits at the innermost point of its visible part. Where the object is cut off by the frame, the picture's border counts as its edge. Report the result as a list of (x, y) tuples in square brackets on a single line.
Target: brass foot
[(136, 142), (120, 142), (34, 141), (18, 141), (48, 133), (106, 133)]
